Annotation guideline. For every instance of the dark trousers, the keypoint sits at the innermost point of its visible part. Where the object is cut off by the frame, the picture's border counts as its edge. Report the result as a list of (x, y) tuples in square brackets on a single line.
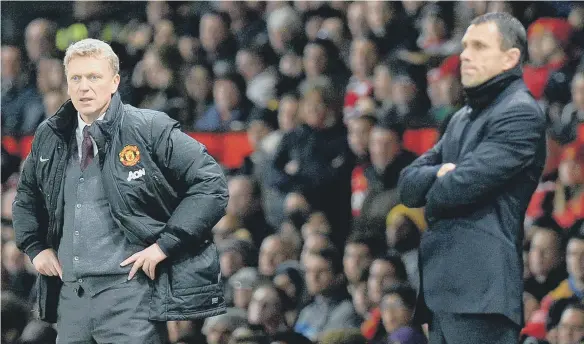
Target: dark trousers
[(118, 314), (451, 328)]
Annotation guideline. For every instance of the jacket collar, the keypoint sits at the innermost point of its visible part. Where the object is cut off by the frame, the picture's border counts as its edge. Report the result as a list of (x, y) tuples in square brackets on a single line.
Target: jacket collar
[(481, 96), (65, 120)]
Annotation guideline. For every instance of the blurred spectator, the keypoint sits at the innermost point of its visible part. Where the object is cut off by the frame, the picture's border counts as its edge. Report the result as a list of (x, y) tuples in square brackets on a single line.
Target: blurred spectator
[(388, 158), (40, 40), (332, 307), (569, 195), (316, 158), (236, 254), (397, 309), (384, 21), (547, 39), (22, 107), (216, 39), (571, 326), (246, 25), (445, 91), (383, 273), (218, 329), (260, 77), (357, 19), (284, 26), (267, 307), (230, 108), (570, 287), (313, 243), (242, 284), (546, 258), (199, 89), (50, 76), (245, 204), (288, 112), (289, 277), (363, 59), (565, 126), (359, 131), (273, 252), (361, 248)]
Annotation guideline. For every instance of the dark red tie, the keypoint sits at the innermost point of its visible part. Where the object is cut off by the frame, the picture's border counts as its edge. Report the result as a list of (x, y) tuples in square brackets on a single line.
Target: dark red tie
[(86, 149)]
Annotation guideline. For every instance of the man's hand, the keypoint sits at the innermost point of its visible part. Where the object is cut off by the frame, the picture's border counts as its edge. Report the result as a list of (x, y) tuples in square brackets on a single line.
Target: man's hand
[(147, 259), (445, 169), (46, 263)]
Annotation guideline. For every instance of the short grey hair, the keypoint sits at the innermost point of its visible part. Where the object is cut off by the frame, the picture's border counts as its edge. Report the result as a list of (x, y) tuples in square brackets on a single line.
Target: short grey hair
[(284, 18), (93, 48)]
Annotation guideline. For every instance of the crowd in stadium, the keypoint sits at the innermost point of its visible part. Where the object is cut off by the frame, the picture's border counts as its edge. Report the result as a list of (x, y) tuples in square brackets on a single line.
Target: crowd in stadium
[(315, 246)]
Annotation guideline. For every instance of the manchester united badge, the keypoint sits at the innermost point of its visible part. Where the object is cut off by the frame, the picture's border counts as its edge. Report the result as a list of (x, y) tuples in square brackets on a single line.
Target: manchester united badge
[(130, 155)]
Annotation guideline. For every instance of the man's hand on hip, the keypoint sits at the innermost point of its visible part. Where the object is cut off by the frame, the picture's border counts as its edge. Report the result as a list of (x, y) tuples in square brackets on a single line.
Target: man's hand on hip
[(445, 169), (147, 259), (46, 263)]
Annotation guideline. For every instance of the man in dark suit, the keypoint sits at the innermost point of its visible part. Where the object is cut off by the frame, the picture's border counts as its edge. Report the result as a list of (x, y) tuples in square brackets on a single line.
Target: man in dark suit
[(475, 184)]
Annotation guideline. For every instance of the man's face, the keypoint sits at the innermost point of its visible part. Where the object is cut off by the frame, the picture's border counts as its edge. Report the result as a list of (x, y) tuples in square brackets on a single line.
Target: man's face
[(315, 60), (240, 197), (312, 245), (319, 276), (36, 42), (242, 297), (356, 19), (314, 110), (287, 113), (578, 91), (10, 62), (571, 327), (264, 306), (377, 14), (381, 276), (213, 32), (383, 147), (90, 84), (544, 253), (394, 313), (271, 255), (382, 83), (198, 84), (575, 259), (231, 262), (362, 58), (226, 95), (247, 65), (50, 75), (356, 260), (359, 131), (482, 57)]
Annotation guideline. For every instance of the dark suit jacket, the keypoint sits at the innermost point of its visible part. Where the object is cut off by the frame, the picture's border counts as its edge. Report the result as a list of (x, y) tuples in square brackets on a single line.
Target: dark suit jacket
[(471, 256)]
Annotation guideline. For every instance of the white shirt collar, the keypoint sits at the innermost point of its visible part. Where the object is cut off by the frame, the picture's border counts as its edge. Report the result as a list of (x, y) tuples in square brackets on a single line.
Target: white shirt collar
[(81, 123)]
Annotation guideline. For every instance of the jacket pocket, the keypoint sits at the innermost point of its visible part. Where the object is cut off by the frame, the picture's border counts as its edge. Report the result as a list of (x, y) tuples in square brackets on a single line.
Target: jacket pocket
[(194, 271)]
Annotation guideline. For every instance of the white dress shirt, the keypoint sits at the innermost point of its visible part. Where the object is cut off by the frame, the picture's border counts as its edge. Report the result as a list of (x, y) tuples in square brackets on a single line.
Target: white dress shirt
[(79, 135)]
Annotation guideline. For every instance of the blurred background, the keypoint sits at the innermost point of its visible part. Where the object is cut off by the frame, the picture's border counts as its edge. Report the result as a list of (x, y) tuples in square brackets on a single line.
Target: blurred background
[(313, 108)]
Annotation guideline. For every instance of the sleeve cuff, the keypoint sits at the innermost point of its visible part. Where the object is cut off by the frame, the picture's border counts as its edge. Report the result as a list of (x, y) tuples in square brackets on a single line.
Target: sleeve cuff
[(168, 243), (33, 250)]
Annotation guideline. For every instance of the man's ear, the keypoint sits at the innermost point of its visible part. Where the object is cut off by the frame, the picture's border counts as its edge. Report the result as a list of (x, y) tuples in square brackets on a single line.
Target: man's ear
[(512, 58), (115, 83)]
